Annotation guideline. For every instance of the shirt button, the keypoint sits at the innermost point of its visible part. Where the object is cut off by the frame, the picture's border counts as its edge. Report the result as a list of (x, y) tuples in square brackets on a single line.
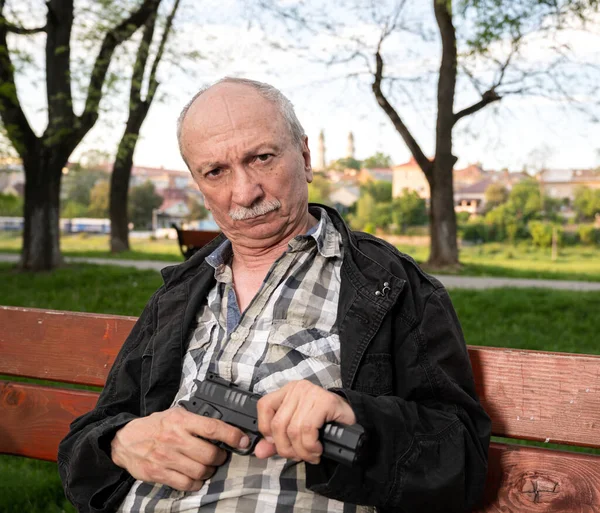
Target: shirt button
[(234, 336)]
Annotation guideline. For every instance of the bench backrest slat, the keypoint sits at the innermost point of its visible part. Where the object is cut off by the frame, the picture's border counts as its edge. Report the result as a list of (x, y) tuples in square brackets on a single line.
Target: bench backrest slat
[(528, 479), (529, 394), (60, 346), (197, 238), (35, 418), (535, 395), (519, 478)]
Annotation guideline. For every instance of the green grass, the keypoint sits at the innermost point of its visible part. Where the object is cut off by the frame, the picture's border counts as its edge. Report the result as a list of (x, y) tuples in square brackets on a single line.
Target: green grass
[(31, 486), (581, 263), (542, 319), (97, 246), (81, 288), (521, 318), (522, 260)]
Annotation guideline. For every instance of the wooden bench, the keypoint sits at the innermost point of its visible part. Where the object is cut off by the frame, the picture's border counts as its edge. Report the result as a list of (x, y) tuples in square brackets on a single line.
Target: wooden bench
[(191, 241), (530, 395)]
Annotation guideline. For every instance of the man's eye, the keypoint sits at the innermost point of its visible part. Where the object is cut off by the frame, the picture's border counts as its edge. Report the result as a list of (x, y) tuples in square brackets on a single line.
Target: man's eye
[(265, 157), (213, 173)]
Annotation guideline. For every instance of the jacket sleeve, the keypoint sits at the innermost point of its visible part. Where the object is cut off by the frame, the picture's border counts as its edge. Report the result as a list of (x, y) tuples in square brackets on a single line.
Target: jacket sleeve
[(427, 445), (92, 482)]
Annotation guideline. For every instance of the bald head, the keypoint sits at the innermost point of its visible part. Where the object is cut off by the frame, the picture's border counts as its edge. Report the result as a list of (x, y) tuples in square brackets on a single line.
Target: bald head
[(232, 86)]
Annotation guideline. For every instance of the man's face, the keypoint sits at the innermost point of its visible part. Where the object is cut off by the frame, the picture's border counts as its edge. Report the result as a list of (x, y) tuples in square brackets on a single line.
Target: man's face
[(241, 154)]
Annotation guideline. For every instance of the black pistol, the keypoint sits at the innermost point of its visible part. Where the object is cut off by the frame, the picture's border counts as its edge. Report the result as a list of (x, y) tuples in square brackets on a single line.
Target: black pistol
[(220, 399)]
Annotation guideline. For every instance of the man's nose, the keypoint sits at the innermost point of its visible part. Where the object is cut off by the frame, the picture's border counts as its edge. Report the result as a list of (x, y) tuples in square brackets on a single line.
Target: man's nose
[(246, 189)]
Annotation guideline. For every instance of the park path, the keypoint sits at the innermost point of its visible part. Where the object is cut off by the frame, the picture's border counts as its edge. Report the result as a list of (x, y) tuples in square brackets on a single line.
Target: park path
[(456, 282)]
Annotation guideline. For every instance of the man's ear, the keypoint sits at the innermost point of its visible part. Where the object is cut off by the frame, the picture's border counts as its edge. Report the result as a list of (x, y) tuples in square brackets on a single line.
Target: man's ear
[(307, 163)]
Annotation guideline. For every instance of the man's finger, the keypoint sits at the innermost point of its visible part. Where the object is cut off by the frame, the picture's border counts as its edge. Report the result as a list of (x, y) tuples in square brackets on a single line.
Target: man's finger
[(264, 449), (280, 424), (214, 429), (266, 408)]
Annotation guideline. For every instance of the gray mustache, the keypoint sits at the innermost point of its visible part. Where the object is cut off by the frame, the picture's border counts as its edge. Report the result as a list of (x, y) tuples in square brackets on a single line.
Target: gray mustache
[(243, 213)]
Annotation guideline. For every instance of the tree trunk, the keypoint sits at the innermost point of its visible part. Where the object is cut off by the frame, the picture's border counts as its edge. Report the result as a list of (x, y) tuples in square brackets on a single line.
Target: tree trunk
[(442, 225), (119, 182), (41, 244), (442, 219)]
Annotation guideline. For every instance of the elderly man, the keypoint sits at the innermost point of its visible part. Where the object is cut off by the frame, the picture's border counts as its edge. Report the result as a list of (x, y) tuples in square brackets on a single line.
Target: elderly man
[(327, 324)]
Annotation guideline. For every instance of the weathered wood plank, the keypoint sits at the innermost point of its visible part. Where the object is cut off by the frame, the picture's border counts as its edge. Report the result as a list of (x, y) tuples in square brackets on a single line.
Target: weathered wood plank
[(536, 395), (532, 395), (35, 419), (527, 479), (60, 346)]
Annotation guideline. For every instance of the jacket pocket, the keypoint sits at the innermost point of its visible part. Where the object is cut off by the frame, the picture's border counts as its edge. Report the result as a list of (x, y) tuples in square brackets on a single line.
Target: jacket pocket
[(375, 375)]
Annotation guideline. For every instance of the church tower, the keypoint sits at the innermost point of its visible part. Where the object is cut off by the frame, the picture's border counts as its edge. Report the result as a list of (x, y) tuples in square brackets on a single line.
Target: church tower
[(321, 162), (350, 148)]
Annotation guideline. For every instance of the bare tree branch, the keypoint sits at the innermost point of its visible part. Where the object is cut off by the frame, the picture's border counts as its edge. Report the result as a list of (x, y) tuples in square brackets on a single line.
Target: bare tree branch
[(424, 163), (13, 117), (488, 97), (137, 76), (112, 39), (152, 81), (22, 31)]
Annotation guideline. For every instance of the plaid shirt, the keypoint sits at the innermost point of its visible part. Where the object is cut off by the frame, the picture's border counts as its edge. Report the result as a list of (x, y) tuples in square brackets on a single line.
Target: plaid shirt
[(287, 333)]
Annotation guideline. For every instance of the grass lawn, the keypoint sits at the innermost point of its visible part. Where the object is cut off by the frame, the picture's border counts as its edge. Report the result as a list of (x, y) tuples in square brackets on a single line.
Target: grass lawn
[(95, 245), (581, 263), (523, 318), (492, 259)]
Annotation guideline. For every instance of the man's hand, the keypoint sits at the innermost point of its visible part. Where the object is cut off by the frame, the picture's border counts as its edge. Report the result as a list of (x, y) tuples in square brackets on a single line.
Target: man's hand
[(164, 448), (291, 417)]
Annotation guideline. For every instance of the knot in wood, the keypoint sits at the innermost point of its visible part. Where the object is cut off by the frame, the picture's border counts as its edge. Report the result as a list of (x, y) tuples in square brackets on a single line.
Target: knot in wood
[(539, 488), (11, 396)]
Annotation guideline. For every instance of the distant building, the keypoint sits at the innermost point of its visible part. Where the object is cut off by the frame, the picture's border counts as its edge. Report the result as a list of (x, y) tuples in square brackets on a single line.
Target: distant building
[(350, 148), (162, 178), (409, 176), (562, 183), (385, 174), (320, 162), (342, 198), (471, 198), (469, 175)]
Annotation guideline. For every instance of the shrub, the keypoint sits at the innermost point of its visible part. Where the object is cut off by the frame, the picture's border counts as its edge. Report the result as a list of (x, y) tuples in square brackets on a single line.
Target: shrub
[(588, 234), (541, 233), (369, 228)]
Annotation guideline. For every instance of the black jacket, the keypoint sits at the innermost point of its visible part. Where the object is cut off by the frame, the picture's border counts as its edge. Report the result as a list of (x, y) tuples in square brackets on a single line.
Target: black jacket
[(405, 371)]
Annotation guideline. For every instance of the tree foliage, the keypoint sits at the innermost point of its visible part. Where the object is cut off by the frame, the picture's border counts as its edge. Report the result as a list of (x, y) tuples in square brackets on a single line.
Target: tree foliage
[(378, 160), (485, 45), (346, 163), (587, 203), (143, 199), (408, 210), (319, 190), (99, 199), (495, 195), (380, 190), (197, 211), (11, 205), (45, 155)]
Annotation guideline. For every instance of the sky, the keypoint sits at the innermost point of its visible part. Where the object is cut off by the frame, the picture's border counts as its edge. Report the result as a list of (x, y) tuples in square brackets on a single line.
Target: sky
[(519, 131)]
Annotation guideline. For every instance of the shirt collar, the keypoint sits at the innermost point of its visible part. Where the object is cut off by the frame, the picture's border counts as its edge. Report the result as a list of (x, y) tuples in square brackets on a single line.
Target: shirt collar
[(324, 234)]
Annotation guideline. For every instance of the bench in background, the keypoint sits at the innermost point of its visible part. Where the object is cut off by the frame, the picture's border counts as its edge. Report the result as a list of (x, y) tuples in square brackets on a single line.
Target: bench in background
[(191, 241), (530, 395)]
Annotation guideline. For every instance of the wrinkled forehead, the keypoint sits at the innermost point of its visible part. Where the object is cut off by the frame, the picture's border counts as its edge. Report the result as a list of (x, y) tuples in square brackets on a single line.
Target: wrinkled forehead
[(230, 108)]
